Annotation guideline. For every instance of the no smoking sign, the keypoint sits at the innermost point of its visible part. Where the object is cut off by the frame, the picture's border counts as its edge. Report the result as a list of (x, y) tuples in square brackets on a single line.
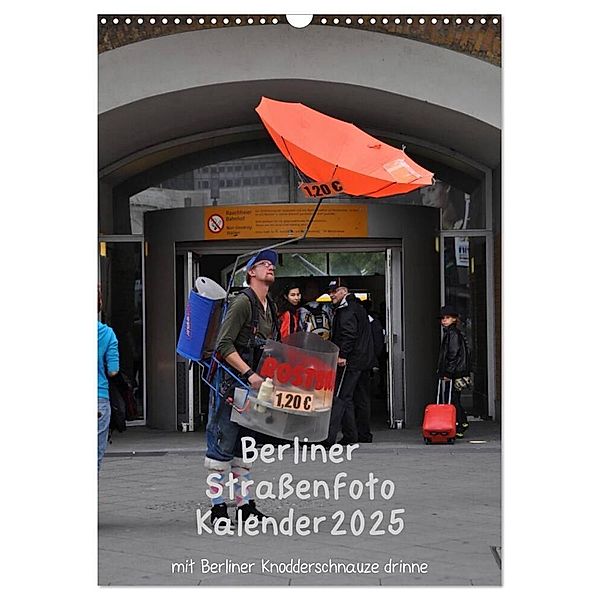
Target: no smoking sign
[(215, 223)]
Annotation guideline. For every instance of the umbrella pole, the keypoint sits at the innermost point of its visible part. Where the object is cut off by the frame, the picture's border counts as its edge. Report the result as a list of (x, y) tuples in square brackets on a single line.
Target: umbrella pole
[(213, 358), (272, 246)]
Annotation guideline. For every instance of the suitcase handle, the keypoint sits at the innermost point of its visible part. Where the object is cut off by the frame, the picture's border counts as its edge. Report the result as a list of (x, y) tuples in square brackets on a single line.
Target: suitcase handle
[(438, 392)]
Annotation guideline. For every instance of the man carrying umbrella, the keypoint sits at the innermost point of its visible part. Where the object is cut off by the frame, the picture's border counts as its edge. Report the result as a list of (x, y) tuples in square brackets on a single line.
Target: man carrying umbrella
[(351, 332), (249, 322)]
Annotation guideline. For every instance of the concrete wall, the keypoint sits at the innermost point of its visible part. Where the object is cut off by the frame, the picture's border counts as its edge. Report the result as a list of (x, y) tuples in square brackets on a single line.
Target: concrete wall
[(373, 60)]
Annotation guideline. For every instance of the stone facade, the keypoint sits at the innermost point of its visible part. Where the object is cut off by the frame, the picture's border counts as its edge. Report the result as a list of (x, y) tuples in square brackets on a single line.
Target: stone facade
[(477, 39)]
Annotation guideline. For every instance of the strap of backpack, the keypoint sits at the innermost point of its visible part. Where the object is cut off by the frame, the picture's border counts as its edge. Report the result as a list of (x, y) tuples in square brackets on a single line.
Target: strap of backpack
[(276, 333)]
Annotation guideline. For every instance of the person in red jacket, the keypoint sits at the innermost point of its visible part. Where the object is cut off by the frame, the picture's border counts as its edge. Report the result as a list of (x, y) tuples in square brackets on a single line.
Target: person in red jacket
[(292, 317)]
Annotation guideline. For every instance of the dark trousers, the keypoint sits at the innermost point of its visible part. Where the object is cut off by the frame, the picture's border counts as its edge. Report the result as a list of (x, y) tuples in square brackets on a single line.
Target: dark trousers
[(461, 415), (362, 407), (342, 411)]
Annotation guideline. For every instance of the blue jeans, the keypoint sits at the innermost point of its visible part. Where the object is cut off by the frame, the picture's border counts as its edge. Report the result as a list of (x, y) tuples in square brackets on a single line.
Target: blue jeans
[(103, 423), (223, 436)]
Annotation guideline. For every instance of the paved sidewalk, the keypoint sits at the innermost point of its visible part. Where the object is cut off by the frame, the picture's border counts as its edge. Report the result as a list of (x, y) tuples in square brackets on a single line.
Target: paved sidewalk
[(152, 482)]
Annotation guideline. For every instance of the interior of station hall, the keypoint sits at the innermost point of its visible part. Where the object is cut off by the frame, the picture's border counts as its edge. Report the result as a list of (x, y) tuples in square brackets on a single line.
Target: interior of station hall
[(179, 139)]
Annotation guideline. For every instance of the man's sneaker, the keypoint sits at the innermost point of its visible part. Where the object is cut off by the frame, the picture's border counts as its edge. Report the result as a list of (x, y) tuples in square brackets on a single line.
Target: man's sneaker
[(248, 510), (218, 511), (460, 434), (464, 426)]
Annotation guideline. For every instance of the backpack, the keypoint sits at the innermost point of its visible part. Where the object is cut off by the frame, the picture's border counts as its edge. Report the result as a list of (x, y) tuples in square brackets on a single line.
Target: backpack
[(318, 320), (248, 353), (117, 390), (272, 307)]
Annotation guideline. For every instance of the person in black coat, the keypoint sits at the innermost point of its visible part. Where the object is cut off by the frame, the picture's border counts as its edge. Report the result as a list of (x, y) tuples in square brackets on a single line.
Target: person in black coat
[(453, 363), (351, 332)]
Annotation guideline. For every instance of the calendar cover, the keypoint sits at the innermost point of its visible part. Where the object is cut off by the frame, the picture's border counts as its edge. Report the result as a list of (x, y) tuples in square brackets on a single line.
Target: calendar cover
[(299, 300)]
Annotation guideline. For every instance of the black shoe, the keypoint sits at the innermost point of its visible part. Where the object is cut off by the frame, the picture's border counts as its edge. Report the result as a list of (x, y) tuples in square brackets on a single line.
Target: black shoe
[(218, 511), (345, 442), (248, 510), (366, 440)]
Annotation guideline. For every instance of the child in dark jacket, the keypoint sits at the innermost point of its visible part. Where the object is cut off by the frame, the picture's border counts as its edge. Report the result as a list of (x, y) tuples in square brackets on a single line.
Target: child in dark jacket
[(454, 363)]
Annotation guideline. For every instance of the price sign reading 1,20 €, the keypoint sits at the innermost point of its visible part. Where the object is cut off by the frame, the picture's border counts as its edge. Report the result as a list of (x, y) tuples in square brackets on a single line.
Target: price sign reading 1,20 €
[(301, 402), (321, 190)]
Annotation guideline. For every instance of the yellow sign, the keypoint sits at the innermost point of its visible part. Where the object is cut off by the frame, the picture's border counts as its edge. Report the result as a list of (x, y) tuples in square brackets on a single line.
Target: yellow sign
[(264, 221)]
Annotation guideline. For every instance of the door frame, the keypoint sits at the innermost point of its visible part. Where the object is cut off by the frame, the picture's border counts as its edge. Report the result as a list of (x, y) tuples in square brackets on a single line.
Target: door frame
[(394, 338), (143, 251), (395, 358)]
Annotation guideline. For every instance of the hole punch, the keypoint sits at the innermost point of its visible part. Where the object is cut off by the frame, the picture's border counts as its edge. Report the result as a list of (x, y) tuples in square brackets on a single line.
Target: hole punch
[(299, 21)]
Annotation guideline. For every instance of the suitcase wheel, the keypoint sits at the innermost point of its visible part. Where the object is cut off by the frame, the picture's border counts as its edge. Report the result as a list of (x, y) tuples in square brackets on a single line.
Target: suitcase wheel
[(451, 440), (427, 441)]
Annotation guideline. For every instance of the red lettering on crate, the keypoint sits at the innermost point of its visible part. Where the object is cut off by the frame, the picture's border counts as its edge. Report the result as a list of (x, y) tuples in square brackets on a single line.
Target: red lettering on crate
[(308, 378)]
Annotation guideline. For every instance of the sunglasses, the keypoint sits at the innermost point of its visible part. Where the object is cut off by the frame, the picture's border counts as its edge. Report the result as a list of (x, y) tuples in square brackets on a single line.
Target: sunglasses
[(264, 263)]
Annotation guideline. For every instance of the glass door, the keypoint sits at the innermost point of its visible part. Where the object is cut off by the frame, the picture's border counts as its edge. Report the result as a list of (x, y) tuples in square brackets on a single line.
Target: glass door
[(465, 287), (192, 393), (394, 338), (121, 277)]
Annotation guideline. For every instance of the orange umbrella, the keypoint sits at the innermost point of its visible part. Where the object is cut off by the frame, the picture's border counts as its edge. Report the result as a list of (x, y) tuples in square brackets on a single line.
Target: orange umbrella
[(339, 155)]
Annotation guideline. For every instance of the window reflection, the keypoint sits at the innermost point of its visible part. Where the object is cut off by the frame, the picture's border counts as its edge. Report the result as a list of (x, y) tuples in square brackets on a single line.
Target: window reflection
[(459, 209), (270, 178), (253, 180), (465, 288)]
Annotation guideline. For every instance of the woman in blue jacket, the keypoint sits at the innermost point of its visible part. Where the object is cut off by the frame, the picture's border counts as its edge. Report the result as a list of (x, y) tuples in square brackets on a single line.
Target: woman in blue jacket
[(108, 366)]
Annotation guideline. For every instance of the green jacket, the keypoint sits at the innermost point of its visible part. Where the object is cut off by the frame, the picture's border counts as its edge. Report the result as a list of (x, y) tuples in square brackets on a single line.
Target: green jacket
[(236, 329)]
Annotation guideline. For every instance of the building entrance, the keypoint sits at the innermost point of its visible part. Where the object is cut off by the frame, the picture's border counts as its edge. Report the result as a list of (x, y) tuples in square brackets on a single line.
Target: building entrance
[(121, 279), (374, 276)]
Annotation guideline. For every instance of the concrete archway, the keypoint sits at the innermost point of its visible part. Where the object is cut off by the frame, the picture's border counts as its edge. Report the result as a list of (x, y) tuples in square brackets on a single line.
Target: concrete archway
[(172, 95)]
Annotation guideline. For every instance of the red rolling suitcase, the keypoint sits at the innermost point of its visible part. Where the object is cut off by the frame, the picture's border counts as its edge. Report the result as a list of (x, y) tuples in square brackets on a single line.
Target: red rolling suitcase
[(439, 422)]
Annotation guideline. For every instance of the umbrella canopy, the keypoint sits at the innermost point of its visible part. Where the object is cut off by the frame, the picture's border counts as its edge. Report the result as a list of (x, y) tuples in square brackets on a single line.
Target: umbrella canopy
[(329, 150)]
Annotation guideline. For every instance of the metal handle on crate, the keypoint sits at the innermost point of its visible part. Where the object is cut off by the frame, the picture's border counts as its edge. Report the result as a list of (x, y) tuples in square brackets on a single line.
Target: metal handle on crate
[(208, 379), (246, 405), (341, 381)]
